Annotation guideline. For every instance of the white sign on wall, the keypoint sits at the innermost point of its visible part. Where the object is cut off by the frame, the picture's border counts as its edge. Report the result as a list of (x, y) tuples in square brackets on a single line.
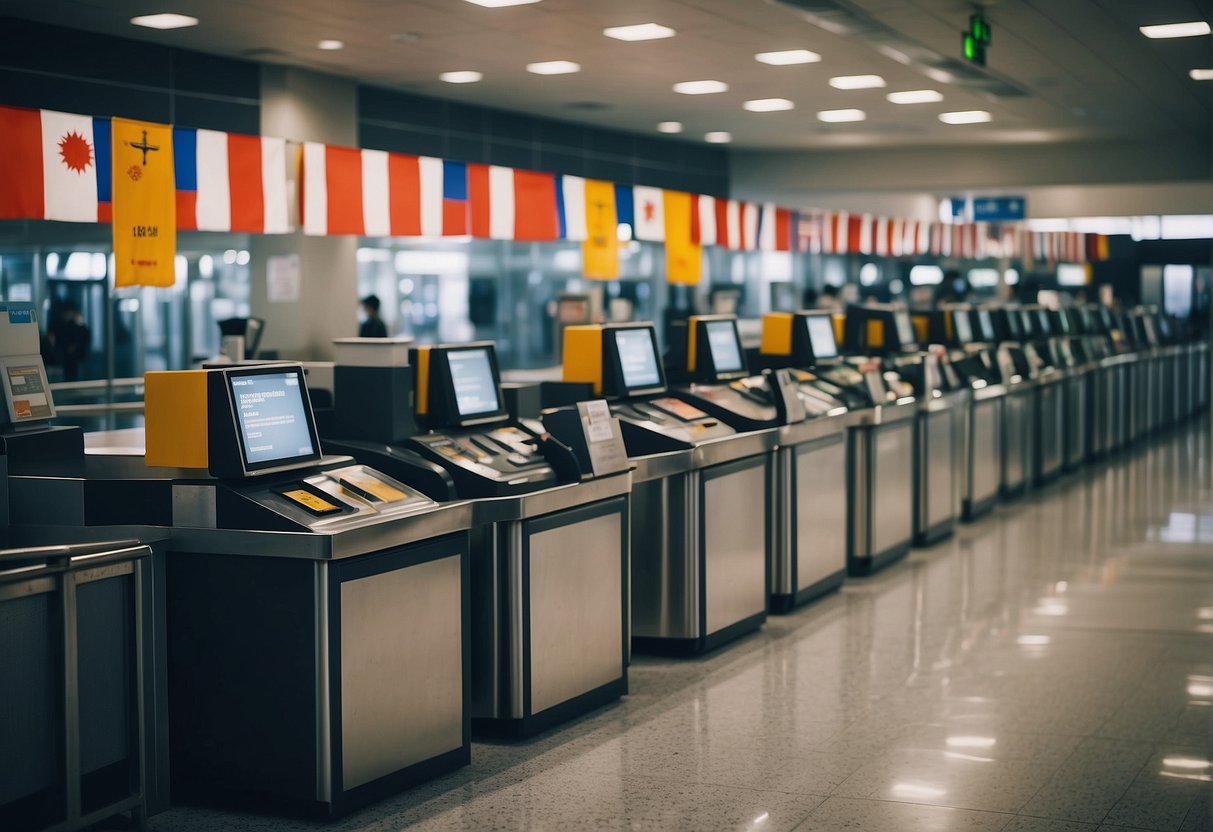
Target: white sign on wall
[(283, 278)]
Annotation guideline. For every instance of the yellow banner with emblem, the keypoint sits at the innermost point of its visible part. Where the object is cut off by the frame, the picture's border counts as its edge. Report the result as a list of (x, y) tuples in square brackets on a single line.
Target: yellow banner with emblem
[(683, 256), (145, 204), (600, 251)]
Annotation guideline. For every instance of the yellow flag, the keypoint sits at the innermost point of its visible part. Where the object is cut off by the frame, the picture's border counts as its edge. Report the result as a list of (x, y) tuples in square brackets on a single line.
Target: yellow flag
[(600, 251), (683, 256), (145, 204)]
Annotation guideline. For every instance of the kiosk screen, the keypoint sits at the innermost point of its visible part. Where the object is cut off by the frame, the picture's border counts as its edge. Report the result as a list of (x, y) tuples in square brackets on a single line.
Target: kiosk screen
[(637, 358), (1043, 325), (905, 329), (273, 417), (821, 337), (474, 382), (26, 388), (987, 325), (725, 347), (960, 321)]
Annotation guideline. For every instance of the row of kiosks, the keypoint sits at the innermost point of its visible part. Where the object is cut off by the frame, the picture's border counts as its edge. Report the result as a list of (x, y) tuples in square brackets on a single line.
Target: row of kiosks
[(701, 492), (318, 609), (550, 503)]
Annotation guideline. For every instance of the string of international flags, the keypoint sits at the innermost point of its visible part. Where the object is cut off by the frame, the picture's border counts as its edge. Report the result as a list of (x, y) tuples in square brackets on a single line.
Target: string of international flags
[(75, 168)]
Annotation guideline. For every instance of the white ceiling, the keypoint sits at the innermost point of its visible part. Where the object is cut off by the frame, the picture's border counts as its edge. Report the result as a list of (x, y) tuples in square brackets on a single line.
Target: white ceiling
[(1087, 72)]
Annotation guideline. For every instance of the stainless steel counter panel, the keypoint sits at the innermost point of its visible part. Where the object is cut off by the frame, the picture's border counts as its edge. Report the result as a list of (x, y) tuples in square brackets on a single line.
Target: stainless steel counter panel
[(401, 669), (575, 576), (738, 446), (881, 490), (812, 429), (882, 414), (518, 507), (656, 466), (1074, 445), (938, 449), (735, 556), (821, 510), (1050, 427), (665, 557), (983, 440), (1017, 436)]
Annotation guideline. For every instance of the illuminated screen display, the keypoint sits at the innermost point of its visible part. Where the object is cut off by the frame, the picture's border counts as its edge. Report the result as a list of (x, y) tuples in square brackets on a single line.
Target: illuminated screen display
[(987, 324), (964, 332), (725, 346), (1043, 325), (821, 337), (637, 358), (905, 329), (272, 416), (474, 383)]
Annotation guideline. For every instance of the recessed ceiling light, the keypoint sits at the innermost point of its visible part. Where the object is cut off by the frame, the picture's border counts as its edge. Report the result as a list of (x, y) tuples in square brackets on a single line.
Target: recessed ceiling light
[(641, 31), (718, 137), (701, 87), (1176, 30), (768, 105), (915, 96), (462, 76), (670, 127), (965, 117), (1201, 75), (497, 4), (788, 57), (553, 67), (833, 116), (330, 45), (856, 82), (165, 21)]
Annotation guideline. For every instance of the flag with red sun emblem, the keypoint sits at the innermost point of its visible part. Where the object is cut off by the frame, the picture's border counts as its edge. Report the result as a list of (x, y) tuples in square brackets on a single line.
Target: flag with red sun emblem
[(48, 166), (649, 204)]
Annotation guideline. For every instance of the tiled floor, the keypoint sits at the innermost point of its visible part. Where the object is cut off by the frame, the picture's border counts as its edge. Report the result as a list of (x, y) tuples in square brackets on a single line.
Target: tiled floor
[(1049, 669)]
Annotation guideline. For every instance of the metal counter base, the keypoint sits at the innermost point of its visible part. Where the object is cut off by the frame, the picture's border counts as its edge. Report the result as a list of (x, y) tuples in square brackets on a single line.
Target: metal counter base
[(703, 644), (529, 726), (783, 604), (321, 686), (972, 510), (939, 448), (862, 567), (982, 465), (881, 487)]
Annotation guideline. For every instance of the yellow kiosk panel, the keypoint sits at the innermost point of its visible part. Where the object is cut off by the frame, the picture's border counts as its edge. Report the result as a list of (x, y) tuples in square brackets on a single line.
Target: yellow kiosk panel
[(582, 359), (175, 419), (777, 333)]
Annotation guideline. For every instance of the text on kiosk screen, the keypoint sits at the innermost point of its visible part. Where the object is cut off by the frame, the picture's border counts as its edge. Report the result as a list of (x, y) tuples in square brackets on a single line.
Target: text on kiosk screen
[(637, 359), (272, 419), (722, 341), (472, 378), (821, 338)]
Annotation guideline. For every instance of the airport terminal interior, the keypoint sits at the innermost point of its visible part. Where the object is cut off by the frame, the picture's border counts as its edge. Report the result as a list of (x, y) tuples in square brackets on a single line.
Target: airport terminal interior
[(645, 414)]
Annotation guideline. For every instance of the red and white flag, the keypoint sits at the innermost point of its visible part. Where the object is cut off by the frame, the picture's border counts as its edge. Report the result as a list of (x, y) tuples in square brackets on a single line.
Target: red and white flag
[(230, 182), (728, 224), (509, 204), (48, 166), (703, 216), (749, 226), (649, 205)]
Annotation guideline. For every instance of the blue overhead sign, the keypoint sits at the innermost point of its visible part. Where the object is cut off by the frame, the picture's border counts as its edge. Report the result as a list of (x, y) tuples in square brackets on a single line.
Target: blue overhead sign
[(999, 208)]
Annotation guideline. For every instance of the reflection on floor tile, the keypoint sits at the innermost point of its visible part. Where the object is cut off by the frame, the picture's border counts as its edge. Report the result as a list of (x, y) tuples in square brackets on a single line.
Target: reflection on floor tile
[(1047, 669)]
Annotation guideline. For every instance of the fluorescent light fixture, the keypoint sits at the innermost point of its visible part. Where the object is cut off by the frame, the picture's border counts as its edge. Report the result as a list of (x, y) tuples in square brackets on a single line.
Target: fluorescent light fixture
[(971, 742), (700, 87), (856, 82), (926, 275), (718, 137), (669, 127), (330, 45), (1201, 74), (641, 31), (553, 67), (788, 57), (768, 105), (915, 96), (462, 76), (965, 117), (497, 4), (165, 21), (835, 116), (1176, 30), (1034, 641)]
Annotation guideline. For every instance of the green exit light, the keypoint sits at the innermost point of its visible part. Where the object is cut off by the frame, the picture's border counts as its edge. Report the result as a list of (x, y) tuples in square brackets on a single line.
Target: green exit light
[(976, 39), (979, 28)]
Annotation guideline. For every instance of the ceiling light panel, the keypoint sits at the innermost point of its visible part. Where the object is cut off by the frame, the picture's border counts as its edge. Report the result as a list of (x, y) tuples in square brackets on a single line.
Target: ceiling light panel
[(1201, 75), (462, 76), (856, 82), (718, 137), (669, 127), (553, 68), (768, 105), (838, 116), (497, 4), (164, 21), (701, 87), (330, 45), (641, 31), (1176, 30), (915, 96), (788, 57), (965, 117)]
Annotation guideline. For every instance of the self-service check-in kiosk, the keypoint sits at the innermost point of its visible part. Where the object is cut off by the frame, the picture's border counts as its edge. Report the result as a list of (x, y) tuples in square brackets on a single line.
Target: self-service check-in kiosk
[(809, 537), (1019, 365), (318, 609), (1048, 397), (700, 495), (549, 542), (881, 505)]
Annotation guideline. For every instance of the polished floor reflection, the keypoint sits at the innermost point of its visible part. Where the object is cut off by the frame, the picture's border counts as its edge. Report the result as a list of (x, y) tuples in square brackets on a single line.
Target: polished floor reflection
[(1048, 669)]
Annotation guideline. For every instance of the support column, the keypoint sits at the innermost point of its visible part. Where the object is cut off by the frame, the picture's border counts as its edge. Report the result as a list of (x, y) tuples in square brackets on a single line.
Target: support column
[(299, 105)]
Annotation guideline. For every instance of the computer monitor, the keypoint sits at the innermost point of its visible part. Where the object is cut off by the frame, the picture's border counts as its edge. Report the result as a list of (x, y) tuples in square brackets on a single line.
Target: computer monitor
[(820, 329), (630, 356), (1044, 326), (465, 385), (724, 345), (1026, 325), (985, 323), (961, 326), (273, 418), (905, 330)]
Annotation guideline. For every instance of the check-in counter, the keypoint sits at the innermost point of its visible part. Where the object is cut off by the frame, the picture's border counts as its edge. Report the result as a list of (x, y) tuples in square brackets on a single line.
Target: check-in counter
[(939, 450), (1018, 436), (809, 522), (981, 475), (1201, 373), (1049, 421), (882, 486), (1076, 391)]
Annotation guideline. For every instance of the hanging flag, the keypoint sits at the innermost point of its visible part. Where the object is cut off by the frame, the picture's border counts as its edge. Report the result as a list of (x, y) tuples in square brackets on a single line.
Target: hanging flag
[(509, 204), (145, 204), (683, 256), (600, 251), (784, 229), (230, 182), (855, 232), (649, 205), (881, 247), (570, 207), (810, 233), (728, 224), (749, 226), (625, 208), (49, 167), (766, 227), (455, 213), (703, 220)]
